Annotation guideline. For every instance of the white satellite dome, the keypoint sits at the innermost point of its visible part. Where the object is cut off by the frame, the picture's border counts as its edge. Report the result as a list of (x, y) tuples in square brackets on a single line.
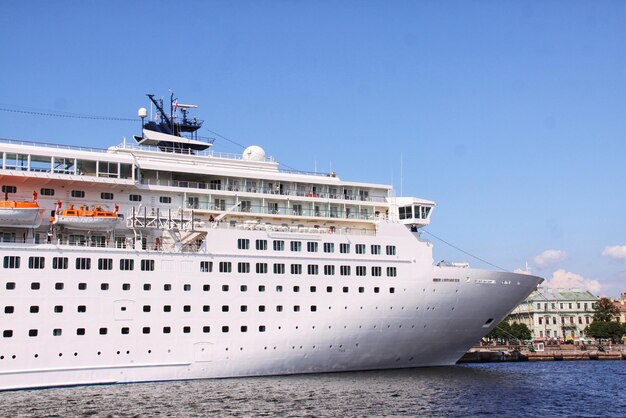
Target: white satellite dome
[(254, 153)]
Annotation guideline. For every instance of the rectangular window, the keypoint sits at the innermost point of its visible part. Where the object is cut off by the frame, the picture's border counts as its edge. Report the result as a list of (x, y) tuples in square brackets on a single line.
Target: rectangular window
[(261, 268), (46, 192), (83, 263), (359, 248), (375, 249), (243, 244), (126, 286), (36, 262), (361, 270), (243, 267), (206, 266), (279, 268), (313, 289), (106, 196), (105, 264), (78, 194), (226, 267), (127, 264), (36, 286), (296, 289), (104, 286), (329, 270), (9, 189), (311, 247), (376, 271), (313, 269), (391, 250), (329, 247), (296, 269), (134, 198), (165, 199), (391, 272), (147, 265), (167, 287), (11, 262), (296, 246), (261, 245), (344, 270), (279, 245), (344, 248), (59, 263)]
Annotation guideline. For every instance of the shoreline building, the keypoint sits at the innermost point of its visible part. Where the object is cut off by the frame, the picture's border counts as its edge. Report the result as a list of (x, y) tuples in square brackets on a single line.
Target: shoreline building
[(621, 305), (556, 314)]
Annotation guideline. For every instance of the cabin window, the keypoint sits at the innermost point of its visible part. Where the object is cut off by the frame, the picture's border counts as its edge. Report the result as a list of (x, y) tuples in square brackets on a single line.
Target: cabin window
[(296, 269), (261, 268), (105, 264), (83, 264), (375, 249), (46, 192), (296, 246), (344, 248), (279, 245), (311, 247), (243, 244), (360, 248), (313, 269), (127, 264), (391, 250), (77, 194), (11, 262), (361, 270), (35, 286), (329, 270), (147, 265), (261, 244), (243, 267), (329, 247), (376, 271), (165, 199), (225, 267), (36, 262), (134, 198), (391, 272), (106, 196), (9, 189), (206, 266), (344, 270), (279, 268)]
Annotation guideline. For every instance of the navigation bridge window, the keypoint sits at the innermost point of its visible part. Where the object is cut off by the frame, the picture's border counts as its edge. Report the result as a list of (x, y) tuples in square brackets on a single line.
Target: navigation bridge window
[(414, 212)]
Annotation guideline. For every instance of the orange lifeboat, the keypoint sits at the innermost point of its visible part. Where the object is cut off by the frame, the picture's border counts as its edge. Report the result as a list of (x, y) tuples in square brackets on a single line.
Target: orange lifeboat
[(94, 219), (20, 213)]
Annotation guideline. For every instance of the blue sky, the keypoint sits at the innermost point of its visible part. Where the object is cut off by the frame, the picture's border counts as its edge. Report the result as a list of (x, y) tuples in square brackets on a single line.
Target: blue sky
[(510, 115)]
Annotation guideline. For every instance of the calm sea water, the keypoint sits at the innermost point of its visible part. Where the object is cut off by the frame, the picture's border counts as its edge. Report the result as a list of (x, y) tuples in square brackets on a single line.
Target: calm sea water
[(583, 388)]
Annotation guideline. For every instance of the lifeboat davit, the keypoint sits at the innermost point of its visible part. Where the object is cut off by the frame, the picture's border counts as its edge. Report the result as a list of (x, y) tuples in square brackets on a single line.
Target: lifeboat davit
[(95, 219), (20, 214)]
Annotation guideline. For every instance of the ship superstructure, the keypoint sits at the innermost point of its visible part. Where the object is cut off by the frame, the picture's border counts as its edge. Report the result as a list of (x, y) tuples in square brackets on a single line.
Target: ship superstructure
[(159, 259)]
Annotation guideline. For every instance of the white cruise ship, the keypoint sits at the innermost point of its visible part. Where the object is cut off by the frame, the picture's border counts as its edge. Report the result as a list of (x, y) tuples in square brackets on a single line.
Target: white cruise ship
[(159, 259)]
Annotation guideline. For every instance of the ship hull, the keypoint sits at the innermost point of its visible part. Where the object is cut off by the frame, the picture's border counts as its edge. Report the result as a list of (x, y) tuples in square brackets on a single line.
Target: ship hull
[(426, 316)]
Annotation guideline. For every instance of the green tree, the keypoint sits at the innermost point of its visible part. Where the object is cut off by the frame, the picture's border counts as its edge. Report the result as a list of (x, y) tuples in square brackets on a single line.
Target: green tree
[(521, 331), (606, 330), (605, 310)]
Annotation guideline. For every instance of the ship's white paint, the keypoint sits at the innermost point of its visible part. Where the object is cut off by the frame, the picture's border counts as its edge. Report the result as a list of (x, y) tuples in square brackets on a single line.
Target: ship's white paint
[(413, 313)]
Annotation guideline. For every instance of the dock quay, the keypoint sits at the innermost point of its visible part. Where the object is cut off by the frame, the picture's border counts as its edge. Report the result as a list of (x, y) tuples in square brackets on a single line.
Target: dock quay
[(481, 354)]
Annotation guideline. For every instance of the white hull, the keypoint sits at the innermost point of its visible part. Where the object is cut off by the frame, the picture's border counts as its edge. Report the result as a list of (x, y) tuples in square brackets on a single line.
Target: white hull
[(23, 217), (424, 322)]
